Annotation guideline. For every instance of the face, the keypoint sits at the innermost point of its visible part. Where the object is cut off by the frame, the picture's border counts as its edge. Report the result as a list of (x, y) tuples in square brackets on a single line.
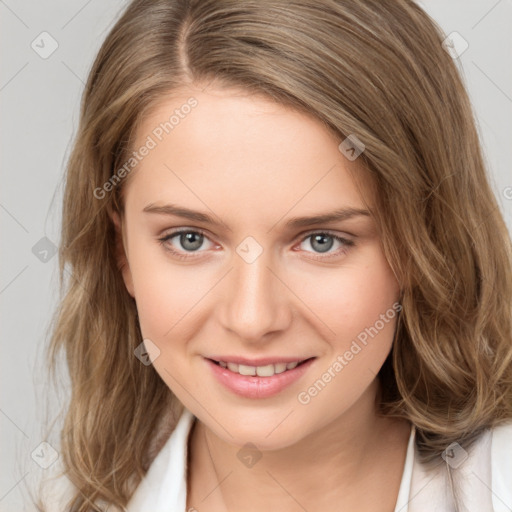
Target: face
[(225, 267)]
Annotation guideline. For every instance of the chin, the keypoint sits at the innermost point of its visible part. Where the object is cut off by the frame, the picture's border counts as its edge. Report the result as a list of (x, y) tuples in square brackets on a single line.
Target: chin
[(267, 431)]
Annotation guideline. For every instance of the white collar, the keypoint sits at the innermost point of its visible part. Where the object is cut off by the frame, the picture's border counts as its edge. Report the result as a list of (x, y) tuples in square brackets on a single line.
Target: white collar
[(164, 487)]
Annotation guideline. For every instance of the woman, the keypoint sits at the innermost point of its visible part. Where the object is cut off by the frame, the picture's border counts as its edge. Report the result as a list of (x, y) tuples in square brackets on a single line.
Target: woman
[(291, 280)]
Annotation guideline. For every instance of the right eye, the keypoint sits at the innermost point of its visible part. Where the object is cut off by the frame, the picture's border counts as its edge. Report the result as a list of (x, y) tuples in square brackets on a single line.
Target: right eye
[(188, 240)]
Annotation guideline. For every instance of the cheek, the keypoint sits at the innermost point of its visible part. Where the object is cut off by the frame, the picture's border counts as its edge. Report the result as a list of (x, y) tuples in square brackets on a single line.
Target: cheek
[(166, 293), (360, 306), (352, 298), (168, 305), (174, 303)]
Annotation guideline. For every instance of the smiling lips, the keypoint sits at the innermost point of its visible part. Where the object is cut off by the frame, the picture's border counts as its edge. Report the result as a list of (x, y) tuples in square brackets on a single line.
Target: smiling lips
[(261, 379)]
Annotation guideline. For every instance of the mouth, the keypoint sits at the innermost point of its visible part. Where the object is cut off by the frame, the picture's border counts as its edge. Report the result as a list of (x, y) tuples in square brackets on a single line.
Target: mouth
[(266, 370)]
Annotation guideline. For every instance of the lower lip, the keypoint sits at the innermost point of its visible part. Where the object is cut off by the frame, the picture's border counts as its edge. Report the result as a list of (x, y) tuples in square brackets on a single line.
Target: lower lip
[(250, 386)]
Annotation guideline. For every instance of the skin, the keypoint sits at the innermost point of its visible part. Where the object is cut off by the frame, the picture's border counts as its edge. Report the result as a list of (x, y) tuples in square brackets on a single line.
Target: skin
[(253, 164)]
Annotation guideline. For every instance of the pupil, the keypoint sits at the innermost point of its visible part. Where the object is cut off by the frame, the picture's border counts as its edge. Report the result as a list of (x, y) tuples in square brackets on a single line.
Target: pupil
[(323, 247)]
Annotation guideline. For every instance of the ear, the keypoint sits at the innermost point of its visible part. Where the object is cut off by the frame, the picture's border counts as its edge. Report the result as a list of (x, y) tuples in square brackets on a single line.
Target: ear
[(121, 258)]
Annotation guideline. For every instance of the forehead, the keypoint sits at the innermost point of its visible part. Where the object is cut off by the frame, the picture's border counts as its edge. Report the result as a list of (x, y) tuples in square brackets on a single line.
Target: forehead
[(228, 145)]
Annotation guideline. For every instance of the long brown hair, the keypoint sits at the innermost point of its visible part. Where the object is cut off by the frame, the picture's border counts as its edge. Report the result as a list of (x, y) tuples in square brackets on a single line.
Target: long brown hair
[(371, 68)]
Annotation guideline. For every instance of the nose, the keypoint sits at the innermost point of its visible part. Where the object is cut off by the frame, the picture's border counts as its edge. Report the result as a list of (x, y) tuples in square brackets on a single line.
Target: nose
[(256, 300)]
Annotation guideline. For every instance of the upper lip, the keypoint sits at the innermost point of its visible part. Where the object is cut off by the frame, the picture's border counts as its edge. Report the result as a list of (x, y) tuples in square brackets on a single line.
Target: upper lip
[(260, 361)]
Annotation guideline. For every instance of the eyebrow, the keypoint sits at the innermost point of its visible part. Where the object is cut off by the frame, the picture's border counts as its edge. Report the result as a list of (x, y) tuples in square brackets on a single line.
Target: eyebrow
[(293, 223)]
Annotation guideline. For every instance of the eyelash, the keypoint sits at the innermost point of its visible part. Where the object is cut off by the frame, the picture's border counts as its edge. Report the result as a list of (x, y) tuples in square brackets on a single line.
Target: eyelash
[(344, 241)]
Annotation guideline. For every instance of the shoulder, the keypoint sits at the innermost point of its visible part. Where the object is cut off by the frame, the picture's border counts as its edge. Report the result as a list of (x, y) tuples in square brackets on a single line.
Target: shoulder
[(55, 490), (164, 487), (501, 466), (480, 476), (164, 483)]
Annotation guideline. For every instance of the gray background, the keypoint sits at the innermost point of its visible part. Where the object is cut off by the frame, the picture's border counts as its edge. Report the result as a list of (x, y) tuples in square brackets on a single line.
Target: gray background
[(39, 112)]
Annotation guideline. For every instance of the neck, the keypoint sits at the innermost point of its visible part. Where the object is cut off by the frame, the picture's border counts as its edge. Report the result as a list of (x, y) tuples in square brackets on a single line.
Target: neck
[(334, 464)]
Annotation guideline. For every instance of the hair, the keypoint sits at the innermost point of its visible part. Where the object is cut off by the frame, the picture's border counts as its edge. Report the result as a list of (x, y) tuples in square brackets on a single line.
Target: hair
[(370, 68)]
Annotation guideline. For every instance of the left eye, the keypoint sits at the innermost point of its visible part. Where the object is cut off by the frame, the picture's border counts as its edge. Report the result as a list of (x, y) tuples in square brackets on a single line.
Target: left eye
[(322, 242)]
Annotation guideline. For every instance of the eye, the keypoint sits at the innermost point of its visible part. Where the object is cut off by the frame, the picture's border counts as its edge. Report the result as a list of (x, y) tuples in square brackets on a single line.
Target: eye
[(187, 240), (322, 242)]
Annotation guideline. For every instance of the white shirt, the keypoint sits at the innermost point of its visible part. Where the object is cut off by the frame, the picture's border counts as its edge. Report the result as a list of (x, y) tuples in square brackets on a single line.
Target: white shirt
[(484, 477)]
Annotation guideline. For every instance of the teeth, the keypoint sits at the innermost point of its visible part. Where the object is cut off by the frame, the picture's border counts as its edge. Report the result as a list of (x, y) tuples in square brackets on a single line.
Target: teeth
[(246, 370), (265, 371), (261, 371), (233, 367), (280, 367)]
